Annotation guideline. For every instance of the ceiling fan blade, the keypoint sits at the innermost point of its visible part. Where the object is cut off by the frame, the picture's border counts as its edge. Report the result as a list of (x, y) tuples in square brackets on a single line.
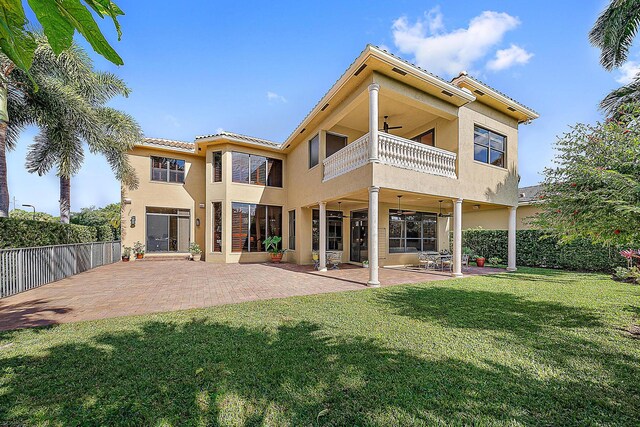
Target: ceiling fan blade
[(408, 212), (395, 127)]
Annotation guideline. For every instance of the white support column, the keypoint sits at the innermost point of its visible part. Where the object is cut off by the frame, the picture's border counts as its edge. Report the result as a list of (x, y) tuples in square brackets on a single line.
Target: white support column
[(322, 244), (457, 238), (511, 263), (374, 88), (373, 236)]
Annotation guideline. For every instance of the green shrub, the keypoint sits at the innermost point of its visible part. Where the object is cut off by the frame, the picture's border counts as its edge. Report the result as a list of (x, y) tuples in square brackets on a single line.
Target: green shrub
[(535, 249), (105, 233), (20, 233)]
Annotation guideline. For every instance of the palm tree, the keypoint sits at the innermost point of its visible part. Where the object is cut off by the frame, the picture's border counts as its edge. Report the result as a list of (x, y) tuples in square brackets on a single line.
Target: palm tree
[(613, 33), (25, 98), (69, 108)]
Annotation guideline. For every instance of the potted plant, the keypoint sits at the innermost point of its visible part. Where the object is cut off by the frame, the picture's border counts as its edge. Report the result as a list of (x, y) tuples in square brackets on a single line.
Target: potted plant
[(196, 252), (365, 263), (138, 249), (126, 253), (480, 261), (271, 245)]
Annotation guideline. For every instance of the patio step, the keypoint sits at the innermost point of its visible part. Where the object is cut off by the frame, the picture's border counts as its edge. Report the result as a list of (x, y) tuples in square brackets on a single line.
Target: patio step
[(181, 257)]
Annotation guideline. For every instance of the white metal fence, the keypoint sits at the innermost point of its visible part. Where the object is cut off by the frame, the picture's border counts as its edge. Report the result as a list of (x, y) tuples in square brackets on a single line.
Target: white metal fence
[(22, 269)]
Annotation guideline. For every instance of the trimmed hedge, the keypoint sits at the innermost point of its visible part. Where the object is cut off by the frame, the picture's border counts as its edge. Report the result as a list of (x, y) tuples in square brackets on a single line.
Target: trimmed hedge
[(104, 233), (535, 249), (20, 233)]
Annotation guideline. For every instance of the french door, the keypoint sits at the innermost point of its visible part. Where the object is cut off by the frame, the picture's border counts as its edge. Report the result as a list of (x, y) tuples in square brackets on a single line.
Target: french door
[(359, 236)]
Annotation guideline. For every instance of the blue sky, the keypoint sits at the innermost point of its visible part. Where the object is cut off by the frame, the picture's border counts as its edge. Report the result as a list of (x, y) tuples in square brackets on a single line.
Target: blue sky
[(258, 68)]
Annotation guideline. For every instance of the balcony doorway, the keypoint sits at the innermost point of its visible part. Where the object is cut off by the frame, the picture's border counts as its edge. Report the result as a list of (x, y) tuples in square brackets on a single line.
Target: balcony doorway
[(359, 236)]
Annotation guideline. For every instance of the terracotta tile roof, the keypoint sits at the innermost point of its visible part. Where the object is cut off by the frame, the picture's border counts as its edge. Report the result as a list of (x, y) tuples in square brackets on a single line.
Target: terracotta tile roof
[(180, 145), (529, 194), (240, 137)]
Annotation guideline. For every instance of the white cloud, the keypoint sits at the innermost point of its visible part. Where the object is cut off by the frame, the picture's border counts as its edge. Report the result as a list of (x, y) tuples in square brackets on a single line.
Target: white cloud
[(272, 96), (505, 58), (628, 72), (173, 120), (448, 53)]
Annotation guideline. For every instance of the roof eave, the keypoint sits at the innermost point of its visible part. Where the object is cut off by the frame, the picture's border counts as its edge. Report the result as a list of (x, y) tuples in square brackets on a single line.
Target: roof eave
[(529, 113), (230, 139)]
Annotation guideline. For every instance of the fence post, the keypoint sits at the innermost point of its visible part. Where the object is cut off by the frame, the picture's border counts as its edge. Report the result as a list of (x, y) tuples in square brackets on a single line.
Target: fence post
[(20, 272)]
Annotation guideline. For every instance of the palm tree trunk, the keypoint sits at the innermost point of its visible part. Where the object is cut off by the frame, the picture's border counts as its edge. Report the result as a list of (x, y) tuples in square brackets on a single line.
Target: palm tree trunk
[(4, 121), (4, 186), (65, 199)]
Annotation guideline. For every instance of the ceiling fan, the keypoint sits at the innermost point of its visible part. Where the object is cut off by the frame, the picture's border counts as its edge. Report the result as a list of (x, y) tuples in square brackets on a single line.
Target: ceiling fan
[(440, 214), (385, 126), (340, 209), (400, 211)]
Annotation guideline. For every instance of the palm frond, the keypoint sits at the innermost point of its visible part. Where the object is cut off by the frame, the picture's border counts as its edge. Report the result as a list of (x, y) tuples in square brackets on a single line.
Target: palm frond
[(614, 31), (626, 94)]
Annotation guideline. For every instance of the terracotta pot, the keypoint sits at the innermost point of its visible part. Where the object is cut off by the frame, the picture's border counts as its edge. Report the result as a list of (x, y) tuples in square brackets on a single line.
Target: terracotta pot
[(276, 257), (125, 259), (139, 256), (480, 261)]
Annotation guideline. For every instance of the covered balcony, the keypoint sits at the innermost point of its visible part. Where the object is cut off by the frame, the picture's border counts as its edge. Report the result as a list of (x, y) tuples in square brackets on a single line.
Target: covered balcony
[(392, 124), (394, 151)]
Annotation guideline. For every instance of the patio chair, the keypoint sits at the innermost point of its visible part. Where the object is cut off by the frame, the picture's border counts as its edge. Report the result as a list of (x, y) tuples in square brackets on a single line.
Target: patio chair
[(334, 258), (315, 255), (465, 261), (445, 262), (429, 260)]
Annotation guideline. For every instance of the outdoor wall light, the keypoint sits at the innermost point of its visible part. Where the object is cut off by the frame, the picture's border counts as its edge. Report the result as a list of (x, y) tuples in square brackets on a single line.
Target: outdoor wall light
[(133, 221), (197, 222)]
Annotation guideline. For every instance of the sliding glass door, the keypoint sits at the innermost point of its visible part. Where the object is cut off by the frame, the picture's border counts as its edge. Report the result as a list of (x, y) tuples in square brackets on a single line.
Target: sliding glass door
[(168, 230)]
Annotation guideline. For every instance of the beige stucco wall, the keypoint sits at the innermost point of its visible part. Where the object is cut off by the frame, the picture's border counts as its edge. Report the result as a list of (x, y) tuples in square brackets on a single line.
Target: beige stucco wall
[(498, 219), (163, 194)]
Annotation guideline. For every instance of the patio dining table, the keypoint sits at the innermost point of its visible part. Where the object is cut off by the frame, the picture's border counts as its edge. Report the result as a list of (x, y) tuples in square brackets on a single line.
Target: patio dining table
[(440, 260)]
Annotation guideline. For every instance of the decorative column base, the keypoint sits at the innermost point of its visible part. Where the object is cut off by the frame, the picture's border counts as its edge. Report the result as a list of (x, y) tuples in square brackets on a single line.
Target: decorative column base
[(457, 275), (511, 269)]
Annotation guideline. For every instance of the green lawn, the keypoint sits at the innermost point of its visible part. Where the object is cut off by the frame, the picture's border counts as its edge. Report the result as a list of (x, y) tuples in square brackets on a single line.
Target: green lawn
[(536, 347)]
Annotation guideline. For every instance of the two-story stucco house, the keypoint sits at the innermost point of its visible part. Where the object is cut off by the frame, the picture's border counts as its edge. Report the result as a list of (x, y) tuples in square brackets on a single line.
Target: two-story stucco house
[(384, 167)]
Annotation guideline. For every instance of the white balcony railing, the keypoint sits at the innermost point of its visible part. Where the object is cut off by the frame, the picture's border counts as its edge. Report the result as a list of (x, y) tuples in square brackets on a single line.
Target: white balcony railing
[(347, 159), (394, 151), (407, 154)]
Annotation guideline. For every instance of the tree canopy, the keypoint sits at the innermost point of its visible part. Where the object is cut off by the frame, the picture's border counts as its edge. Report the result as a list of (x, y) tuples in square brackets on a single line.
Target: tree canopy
[(594, 189), (94, 217)]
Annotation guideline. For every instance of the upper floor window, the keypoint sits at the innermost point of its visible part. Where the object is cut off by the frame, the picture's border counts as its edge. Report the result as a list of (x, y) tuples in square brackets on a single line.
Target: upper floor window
[(427, 138), (314, 151), (216, 164), (488, 146), (167, 169), (258, 170), (335, 143)]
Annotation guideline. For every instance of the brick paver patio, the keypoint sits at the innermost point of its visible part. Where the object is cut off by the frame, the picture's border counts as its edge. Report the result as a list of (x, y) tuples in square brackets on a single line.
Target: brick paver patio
[(133, 288)]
